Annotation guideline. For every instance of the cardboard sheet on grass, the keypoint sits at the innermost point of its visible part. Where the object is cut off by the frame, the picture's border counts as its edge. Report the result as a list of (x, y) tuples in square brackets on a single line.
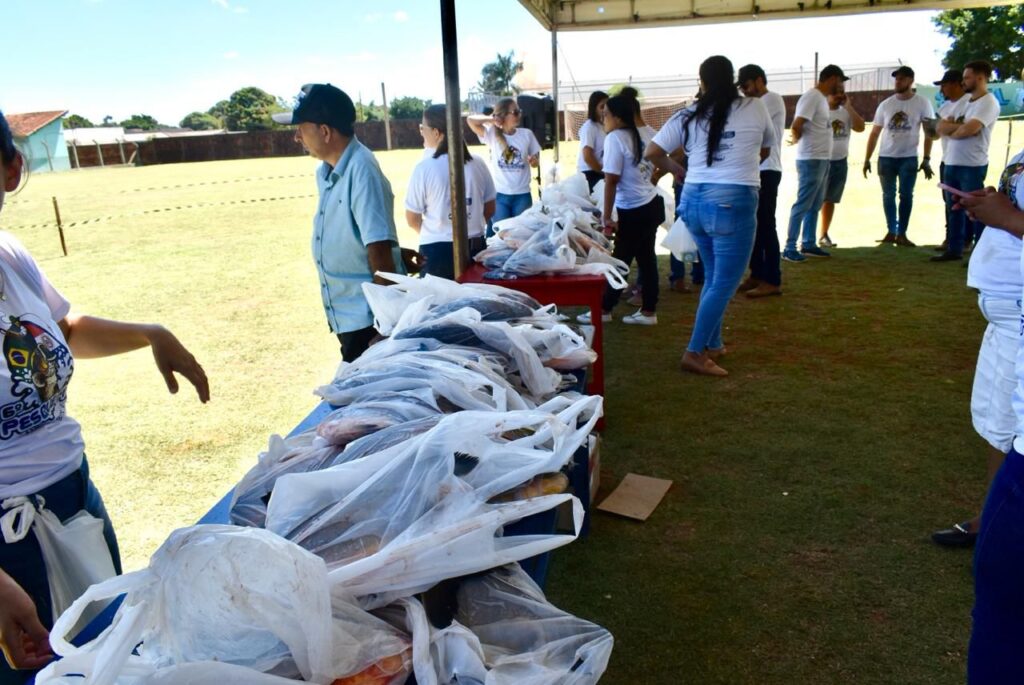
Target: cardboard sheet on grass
[(636, 497)]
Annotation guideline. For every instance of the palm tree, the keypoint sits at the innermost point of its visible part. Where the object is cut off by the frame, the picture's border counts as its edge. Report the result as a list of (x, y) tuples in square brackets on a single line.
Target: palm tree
[(496, 77)]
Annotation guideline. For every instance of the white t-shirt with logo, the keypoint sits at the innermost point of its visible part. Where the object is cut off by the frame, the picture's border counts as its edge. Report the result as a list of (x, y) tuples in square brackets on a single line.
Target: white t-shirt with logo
[(592, 135), (973, 151), (776, 107), (816, 137), (39, 443), (946, 110), (901, 124), (839, 120), (509, 165), (429, 194), (634, 188), (738, 158)]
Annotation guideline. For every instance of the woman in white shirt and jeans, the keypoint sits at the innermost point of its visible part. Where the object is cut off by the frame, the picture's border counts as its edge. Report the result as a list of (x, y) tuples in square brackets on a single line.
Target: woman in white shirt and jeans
[(41, 451), (428, 198), (592, 139), (724, 137), (513, 151)]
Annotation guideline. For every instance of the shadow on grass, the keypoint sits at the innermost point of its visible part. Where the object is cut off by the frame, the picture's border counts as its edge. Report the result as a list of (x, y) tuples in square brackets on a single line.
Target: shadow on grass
[(793, 547)]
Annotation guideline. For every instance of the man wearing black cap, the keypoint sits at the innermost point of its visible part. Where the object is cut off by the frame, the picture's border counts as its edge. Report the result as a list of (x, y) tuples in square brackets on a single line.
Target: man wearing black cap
[(812, 134), (968, 129), (899, 120), (952, 88), (354, 233), (765, 278)]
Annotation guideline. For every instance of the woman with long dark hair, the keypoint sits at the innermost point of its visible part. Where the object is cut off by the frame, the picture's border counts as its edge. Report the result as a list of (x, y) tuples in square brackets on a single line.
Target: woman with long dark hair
[(629, 191), (592, 139), (428, 199), (724, 137), (513, 151)]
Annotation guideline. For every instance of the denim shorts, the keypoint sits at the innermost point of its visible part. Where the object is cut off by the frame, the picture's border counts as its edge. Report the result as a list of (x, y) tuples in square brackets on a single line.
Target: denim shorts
[(836, 183)]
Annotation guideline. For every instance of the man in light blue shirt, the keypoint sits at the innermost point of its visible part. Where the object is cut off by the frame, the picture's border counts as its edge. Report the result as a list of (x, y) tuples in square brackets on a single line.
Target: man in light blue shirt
[(354, 233)]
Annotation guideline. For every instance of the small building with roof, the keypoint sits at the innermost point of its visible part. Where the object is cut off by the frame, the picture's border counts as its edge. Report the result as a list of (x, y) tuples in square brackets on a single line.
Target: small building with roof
[(40, 137)]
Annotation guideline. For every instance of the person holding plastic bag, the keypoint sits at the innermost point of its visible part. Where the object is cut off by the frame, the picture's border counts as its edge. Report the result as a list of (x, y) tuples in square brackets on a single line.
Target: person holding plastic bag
[(720, 197), (629, 191), (428, 200), (42, 460), (513, 151)]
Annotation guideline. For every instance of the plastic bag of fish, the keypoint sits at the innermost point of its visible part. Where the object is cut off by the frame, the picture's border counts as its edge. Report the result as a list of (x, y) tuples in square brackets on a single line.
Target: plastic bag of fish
[(400, 520), (224, 605)]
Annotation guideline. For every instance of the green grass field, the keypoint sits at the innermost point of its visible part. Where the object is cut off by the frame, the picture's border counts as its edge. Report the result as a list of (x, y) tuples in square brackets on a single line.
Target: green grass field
[(794, 545)]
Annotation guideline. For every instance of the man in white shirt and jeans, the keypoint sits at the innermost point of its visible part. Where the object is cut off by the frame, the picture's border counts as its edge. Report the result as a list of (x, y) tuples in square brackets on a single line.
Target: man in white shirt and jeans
[(952, 88), (968, 130), (899, 120), (765, 278), (812, 135)]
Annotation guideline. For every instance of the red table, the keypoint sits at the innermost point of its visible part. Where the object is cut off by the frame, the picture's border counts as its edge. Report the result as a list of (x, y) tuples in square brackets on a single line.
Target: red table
[(562, 290)]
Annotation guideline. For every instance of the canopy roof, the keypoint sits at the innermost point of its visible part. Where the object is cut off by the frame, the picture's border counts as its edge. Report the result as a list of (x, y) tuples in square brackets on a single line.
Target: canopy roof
[(588, 15)]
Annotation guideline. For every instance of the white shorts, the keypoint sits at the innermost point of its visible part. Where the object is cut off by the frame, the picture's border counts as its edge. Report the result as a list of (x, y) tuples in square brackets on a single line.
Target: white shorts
[(996, 375)]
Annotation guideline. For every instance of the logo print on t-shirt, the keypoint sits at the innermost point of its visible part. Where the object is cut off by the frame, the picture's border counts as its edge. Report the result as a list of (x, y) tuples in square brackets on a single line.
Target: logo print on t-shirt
[(899, 122), (511, 158), (839, 129), (40, 368), (1010, 180)]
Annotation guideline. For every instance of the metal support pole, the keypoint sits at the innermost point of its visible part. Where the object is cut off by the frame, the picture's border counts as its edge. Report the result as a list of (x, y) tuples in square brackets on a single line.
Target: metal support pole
[(74, 155), (99, 152), (456, 162), (554, 81), (387, 117), (816, 71), (60, 226)]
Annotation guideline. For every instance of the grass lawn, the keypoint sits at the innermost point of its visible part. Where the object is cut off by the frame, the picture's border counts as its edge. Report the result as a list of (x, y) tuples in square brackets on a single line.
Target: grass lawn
[(794, 546)]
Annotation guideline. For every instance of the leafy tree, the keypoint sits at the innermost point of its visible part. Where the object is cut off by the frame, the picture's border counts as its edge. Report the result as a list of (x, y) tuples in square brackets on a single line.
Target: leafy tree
[(200, 121), (496, 77), (249, 109), (407, 108), (991, 33), (109, 121), (77, 121), (140, 121), (219, 110), (370, 112), (617, 89)]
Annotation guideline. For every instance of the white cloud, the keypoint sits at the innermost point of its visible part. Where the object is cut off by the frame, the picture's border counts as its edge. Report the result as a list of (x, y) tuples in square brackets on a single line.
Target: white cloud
[(373, 17), (400, 16), (226, 5), (231, 54)]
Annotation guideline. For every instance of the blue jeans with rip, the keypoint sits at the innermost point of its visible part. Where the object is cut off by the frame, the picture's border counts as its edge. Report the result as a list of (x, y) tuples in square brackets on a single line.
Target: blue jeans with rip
[(893, 171), (723, 219), (961, 227), (810, 194), (994, 654)]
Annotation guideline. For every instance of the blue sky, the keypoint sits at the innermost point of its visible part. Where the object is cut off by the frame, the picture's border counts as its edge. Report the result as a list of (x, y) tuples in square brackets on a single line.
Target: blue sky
[(167, 59)]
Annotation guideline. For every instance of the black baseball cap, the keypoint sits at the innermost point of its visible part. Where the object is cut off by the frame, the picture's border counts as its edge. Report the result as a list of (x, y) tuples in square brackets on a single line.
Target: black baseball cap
[(321, 103), (903, 71), (951, 76), (749, 73), (830, 71)]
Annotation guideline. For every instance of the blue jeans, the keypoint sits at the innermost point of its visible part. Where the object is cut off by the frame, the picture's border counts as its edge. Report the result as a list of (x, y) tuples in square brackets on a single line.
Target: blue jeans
[(812, 175), (677, 268), (998, 616), (961, 228), (511, 205), (23, 560), (440, 260), (893, 170), (723, 219)]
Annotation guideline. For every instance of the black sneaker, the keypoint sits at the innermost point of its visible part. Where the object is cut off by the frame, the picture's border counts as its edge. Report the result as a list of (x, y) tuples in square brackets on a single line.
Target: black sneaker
[(959, 535), (947, 257)]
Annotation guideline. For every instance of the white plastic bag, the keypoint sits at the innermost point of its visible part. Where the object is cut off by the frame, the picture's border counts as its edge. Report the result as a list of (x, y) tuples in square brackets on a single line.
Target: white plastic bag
[(75, 551), (680, 242), (240, 596)]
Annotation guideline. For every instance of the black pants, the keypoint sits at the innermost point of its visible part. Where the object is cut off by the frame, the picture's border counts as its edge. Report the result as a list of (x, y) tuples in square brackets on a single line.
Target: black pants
[(764, 260), (354, 343), (593, 177), (635, 240)]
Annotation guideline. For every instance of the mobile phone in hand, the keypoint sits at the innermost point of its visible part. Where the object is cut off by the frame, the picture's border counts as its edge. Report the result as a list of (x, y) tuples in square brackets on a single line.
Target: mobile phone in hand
[(954, 191)]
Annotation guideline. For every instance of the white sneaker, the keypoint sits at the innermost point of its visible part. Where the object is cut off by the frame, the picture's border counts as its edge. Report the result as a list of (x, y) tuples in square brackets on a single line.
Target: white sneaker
[(825, 241), (640, 318), (585, 318)]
